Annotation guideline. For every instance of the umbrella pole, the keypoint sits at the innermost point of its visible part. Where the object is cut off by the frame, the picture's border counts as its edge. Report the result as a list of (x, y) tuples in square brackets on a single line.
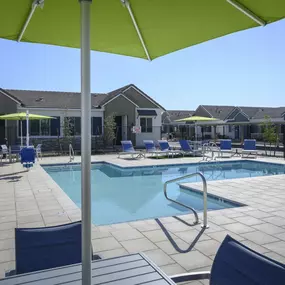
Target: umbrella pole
[(85, 141), (21, 126), (27, 131)]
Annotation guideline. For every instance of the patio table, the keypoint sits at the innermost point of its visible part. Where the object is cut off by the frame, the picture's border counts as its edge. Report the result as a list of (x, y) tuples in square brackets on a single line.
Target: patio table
[(124, 270)]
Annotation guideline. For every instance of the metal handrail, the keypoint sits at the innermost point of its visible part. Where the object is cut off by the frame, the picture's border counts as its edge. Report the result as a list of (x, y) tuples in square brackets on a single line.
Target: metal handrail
[(71, 153), (205, 217)]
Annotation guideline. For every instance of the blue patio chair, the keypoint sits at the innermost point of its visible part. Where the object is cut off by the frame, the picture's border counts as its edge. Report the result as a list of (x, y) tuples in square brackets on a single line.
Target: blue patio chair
[(165, 147), (236, 264), (188, 149), (128, 148), (44, 248), (28, 156), (151, 149), (225, 147), (249, 148)]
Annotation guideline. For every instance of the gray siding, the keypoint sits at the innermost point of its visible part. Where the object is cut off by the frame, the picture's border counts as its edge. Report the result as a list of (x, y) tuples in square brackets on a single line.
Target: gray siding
[(139, 99), (8, 106), (241, 118), (121, 106)]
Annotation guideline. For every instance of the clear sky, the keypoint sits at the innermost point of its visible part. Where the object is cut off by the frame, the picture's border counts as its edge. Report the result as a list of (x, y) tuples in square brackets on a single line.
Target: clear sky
[(245, 69)]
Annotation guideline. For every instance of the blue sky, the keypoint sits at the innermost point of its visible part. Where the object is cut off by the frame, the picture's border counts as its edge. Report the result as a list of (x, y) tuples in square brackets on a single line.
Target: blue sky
[(245, 68)]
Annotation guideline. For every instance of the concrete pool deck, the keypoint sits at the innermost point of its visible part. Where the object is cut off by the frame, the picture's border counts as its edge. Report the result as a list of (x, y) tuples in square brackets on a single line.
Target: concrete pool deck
[(33, 199)]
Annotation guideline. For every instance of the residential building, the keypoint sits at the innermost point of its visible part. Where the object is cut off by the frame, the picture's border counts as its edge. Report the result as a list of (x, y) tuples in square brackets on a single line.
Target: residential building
[(233, 122), (130, 106)]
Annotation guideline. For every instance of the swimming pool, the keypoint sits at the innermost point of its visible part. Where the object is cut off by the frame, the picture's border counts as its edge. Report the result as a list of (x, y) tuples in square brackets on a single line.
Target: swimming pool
[(135, 193)]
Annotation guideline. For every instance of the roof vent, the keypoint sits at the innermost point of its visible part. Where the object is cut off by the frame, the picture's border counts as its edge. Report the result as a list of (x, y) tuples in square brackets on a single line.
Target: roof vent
[(40, 99)]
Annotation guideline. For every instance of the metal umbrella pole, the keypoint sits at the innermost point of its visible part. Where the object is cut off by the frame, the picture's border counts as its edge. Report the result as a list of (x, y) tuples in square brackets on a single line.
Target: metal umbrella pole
[(27, 127), (85, 141)]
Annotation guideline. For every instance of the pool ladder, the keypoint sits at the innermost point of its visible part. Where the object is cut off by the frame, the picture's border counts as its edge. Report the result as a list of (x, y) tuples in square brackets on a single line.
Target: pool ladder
[(71, 153), (205, 218)]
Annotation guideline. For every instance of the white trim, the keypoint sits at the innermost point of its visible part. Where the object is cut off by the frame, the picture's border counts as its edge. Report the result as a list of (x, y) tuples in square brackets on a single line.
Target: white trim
[(148, 98), (117, 96), (5, 93), (152, 126), (240, 112), (206, 111), (234, 108)]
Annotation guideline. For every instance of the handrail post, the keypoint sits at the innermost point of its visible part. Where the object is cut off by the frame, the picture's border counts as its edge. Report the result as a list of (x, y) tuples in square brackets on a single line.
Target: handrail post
[(205, 214), (205, 206)]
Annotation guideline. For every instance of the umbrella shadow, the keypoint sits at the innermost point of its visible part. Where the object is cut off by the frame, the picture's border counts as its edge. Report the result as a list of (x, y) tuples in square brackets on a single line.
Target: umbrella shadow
[(172, 241), (12, 177)]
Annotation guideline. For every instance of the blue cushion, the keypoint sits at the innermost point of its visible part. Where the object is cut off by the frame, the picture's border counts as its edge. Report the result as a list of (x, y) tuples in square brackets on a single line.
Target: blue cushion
[(185, 145), (149, 145), (236, 264), (43, 248), (127, 146), (226, 145), (249, 145), (28, 155), (164, 145)]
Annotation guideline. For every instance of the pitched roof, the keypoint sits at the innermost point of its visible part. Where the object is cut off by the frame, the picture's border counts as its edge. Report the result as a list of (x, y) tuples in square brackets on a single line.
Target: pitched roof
[(171, 116), (218, 112), (64, 100)]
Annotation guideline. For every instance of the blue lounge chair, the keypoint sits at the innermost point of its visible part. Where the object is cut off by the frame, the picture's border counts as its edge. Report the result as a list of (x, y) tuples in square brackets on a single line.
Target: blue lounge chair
[(128, 149), (165, 147), (236, 264), (188, 149), (44, 248), (225, 147), (28, 155), (151, 149), (249, 148)]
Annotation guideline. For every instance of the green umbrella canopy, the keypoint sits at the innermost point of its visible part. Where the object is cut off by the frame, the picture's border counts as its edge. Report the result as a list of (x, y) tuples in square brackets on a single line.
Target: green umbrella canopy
[(23, 116), (196, 119), (165, 25)]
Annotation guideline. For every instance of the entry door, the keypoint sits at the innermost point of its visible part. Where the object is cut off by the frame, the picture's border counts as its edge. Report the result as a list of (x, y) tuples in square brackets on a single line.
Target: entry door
[(118, 120), (2, 132), (236, 132)]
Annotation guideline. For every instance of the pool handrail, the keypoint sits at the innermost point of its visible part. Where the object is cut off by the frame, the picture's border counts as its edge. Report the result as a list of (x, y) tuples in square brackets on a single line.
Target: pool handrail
[(71, 153), (205, 214)]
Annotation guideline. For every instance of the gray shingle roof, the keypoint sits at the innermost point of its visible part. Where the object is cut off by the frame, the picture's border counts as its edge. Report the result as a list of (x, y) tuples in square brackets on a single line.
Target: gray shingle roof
[(64, 100), (53, 99), (218, 112), (170, 116)]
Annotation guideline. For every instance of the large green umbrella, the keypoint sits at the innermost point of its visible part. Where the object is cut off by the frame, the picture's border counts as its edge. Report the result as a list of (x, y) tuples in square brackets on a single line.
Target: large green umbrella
[(24, 116), (196, 119), (140, 28)]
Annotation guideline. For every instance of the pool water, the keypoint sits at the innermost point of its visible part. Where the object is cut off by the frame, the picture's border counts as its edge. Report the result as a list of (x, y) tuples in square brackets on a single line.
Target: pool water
[(129, 194)]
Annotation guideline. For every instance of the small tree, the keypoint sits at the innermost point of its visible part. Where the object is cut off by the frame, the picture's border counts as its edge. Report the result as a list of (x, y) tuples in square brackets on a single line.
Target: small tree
[(109, 130), (269, 133)]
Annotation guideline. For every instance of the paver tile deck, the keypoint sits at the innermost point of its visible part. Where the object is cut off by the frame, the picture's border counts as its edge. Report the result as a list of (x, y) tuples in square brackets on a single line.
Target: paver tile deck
[(33, 199)]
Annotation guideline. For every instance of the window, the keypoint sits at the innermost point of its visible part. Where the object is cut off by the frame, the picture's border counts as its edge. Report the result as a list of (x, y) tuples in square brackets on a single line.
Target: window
[(146, 125), (72, 125), (230, 128), (46, 127), (55, 126), (34, 127), (96, 126)]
